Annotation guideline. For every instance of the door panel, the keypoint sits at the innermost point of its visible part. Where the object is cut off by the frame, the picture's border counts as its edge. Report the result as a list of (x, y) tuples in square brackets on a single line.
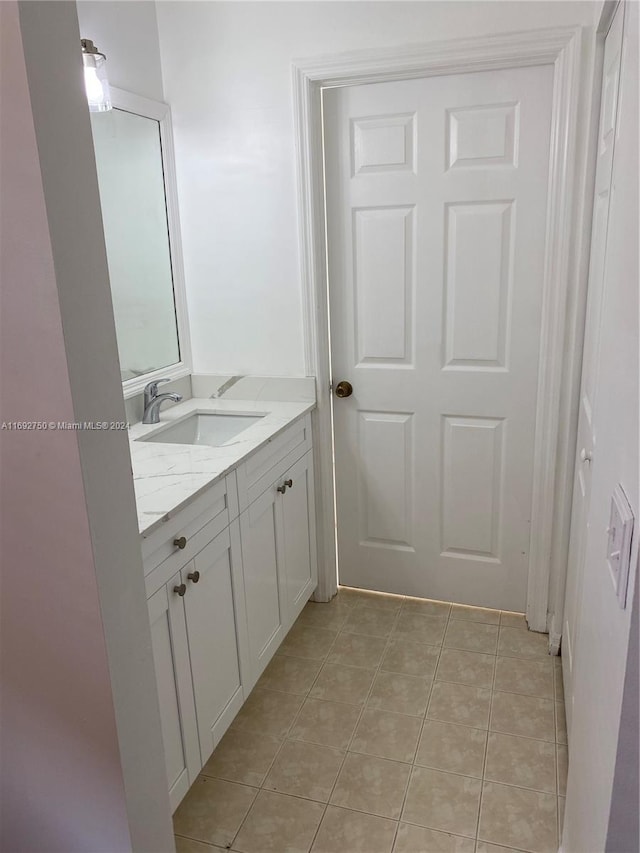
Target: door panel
[(263, 579), (436, 216), (173, 676), (211, 623), (471, 487), (298, 528), (587, 438)]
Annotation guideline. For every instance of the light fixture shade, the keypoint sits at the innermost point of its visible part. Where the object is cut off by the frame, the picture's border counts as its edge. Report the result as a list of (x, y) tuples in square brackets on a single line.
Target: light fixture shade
[(95, 77)]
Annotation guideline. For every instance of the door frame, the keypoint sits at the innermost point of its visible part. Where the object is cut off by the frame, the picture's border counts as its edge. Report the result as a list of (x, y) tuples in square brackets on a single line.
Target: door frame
[(561, 335)]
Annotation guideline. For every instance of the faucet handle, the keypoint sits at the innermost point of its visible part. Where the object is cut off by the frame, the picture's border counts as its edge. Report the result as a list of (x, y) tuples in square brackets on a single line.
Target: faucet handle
[(151, 388)]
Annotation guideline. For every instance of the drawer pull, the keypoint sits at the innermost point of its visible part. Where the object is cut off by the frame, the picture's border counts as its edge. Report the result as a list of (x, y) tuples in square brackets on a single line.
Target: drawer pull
[(181, 543), (283, 488), (194, 576), (180, 589)]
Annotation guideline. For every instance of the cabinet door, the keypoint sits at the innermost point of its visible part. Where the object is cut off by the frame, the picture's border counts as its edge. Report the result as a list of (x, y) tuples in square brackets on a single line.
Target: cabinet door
[(299, 536), (263, 579), (213, 627), (175, 693)]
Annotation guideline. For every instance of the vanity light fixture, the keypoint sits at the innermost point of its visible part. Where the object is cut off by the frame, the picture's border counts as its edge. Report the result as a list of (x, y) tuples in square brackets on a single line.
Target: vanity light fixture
[(95, 77)]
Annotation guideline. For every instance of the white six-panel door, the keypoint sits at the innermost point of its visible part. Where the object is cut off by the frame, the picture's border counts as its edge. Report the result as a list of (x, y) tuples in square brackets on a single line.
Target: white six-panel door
[(587, 438), (436, 211)]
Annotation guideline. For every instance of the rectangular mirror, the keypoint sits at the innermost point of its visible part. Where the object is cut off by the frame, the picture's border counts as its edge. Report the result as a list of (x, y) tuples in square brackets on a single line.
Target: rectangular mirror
[(134, 161)]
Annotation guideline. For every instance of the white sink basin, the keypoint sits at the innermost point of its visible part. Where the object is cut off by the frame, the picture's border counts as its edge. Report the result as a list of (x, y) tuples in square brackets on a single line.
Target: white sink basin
[(212, 429)]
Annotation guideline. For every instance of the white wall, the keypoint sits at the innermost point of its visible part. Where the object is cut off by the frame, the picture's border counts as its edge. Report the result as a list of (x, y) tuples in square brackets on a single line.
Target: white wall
[(82, 762), (227, 76), (604, 630), (127, 32)]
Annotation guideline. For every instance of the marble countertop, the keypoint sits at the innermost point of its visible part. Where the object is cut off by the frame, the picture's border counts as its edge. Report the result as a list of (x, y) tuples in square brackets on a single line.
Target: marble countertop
[(167, 477)]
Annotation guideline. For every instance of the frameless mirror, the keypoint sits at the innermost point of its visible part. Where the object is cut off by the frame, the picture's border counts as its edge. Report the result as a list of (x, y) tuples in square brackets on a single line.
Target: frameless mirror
[(132, 147)]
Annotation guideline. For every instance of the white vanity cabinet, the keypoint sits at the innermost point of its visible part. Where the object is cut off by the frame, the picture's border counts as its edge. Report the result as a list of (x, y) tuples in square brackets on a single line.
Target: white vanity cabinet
[(175, 689), (193, 576), (224, 586), (215, 621), (277, 528), (279, 558)]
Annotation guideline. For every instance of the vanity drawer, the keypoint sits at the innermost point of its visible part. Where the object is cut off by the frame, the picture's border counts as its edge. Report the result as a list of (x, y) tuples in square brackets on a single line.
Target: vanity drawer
[(212, 511), (271, 461)]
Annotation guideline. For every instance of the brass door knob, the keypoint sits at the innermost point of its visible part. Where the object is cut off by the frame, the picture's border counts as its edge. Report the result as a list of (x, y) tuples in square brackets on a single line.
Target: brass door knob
[(180, 589), (194, 576), (344, 389), (181, 542)]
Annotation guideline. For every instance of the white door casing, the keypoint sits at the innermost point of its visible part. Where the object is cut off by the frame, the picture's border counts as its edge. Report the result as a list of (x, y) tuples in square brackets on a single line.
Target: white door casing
[(436, 208), (587, 438), (561, 334)]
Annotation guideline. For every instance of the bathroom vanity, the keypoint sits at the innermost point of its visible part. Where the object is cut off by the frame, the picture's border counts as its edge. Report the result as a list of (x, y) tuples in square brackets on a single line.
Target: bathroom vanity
[(224, 487), (229, 551)]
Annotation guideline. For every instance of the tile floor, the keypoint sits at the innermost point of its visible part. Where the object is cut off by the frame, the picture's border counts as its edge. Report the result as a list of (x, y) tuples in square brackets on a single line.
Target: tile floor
[(387, 724)]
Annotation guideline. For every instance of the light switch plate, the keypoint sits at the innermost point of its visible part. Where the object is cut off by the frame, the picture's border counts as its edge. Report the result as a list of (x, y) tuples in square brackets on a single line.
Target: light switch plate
[(620, 532)]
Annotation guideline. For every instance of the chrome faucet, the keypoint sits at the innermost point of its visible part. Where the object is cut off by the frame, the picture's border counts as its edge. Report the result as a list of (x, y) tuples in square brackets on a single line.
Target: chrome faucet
[(153, 401)]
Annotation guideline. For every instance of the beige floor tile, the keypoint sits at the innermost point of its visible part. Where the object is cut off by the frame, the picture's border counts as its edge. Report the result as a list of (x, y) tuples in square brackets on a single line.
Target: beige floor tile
[(419, 839), (348, 684), (306, 641), (460, 703), (526, 716), (561, 723), (279, 824), (188, 845), (521, 761), (290, 675), (404, 694), (387, 735), (344, 831), (420, 629), (471, 636), (426, 607), (411, 658), (243, 757), (515, 643), (513, 620), (530, 677), (331, 615), (561, 802), (347, 595), (485, 847), (475, 614), (326, 723), (373, 785), (563, 767), (305, 770), (466, 668), (368, 598), (558, 683), (443, 801), (370, 621), (268, 711), (452, 748), (356, 650), (516, 817), (213, 810)]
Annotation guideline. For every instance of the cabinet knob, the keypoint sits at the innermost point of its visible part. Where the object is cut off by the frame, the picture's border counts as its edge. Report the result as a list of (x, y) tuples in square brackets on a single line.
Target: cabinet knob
[(194, 576), (283, 488), (180, 589), (181, 542), (585, 455)]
